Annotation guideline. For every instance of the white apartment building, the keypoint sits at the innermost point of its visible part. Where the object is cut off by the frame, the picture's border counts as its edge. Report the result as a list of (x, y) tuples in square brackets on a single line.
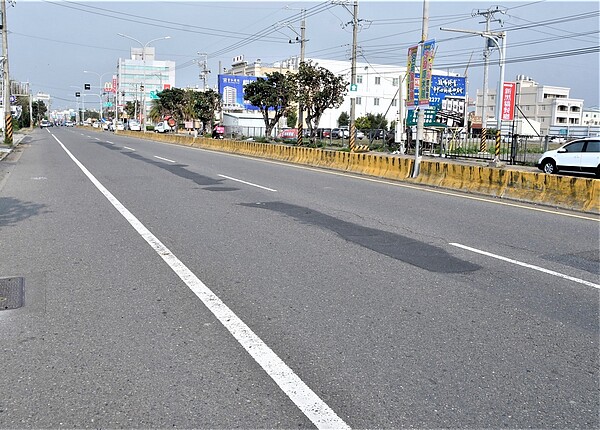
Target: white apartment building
[(548, 105), (591, 117), (142, 76)]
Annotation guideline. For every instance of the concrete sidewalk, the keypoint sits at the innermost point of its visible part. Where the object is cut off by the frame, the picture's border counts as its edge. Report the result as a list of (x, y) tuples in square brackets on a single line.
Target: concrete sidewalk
[(5, 149)]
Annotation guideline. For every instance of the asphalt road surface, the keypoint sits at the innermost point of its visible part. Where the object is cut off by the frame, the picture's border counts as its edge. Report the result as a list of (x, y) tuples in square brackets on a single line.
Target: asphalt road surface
[(167, 286)]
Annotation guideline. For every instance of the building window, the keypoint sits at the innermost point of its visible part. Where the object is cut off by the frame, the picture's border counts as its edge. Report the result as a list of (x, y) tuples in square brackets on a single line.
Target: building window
[(358, 101), (395, 81), (376, 101), (377, 80), (359, 79), (394, 102)]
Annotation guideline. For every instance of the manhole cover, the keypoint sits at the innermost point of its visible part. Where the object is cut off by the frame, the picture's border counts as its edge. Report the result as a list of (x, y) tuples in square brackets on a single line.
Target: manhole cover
[(12, 293)]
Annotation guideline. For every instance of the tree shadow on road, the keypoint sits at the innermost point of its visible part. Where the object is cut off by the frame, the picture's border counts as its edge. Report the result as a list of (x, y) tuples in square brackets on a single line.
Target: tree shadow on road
[(13, 211)]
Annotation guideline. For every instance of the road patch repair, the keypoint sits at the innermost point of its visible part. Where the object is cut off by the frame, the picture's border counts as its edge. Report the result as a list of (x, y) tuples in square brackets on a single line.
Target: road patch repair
[(566, 192)]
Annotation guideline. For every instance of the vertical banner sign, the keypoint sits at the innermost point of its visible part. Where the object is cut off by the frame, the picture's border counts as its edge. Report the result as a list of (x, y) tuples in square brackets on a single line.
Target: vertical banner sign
[(114, 83), (411, 81), (508, 100), (427, 54)]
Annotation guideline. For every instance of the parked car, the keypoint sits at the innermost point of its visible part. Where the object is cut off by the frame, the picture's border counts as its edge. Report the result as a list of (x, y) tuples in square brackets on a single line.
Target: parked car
[(162, 127), (44, 123), (581, 155), (360, 135), (119, 126), (134, 125), (323, 133), (339, 133), (69, 124)]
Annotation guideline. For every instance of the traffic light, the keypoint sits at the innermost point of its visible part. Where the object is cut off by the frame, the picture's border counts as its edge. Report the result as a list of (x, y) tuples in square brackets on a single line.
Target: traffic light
[(87, 87), (77, 94)]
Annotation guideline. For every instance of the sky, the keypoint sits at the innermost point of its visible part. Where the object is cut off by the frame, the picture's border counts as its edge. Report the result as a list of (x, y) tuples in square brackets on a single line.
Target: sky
[(51, 42)]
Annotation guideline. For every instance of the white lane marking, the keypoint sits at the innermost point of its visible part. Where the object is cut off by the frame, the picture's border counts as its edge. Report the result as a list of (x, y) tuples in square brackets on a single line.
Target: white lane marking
[(248, 183), (127, 147), (97, 138), (165, 159), (108, 141), (529, 266), (305, 399)]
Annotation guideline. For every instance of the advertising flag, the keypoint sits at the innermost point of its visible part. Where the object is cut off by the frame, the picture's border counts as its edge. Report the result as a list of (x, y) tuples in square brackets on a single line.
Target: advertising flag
[(412, 81), (509, 90), (427, 54)]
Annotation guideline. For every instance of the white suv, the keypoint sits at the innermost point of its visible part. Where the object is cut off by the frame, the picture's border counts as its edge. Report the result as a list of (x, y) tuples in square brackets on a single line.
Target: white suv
[(581, 155)]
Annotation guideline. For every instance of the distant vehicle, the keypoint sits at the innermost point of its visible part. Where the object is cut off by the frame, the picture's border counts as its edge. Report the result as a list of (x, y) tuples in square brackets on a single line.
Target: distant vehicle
[(339, 133), (134, 125), (323, 133), (96, 124), (69, 124), (106, 126), (44, 123), (162, 127), (119, 126), (581, 155), (360, 135)]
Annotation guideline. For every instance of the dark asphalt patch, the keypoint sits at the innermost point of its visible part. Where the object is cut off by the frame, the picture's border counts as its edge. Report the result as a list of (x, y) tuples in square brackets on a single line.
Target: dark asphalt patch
[(586, 260), (402, 248)]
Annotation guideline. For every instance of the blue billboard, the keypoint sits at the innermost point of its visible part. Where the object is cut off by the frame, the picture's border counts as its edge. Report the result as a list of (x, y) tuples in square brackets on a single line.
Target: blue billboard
[(231, 88)]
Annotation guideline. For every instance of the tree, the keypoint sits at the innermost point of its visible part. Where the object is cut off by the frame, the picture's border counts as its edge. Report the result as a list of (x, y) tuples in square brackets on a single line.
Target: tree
[(204, 105), (273, 96), (132, 108), (291, 118), (39, 110), (169, 102), (23, 120), (318, 90), (362, 123), (344, 119)]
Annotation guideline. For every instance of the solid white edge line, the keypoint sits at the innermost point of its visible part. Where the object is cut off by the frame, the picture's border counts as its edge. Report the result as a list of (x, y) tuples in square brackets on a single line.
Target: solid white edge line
[(529, 266), (315, 409), (248, 183), (165, 159)]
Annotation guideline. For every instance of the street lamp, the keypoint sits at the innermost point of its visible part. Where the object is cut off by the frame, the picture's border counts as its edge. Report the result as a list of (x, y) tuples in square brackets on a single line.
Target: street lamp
[(100, 88), (144, 46)]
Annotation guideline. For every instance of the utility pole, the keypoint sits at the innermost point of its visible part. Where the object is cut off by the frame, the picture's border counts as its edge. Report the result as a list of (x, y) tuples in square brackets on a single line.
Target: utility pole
[(7, 120), (202, 64), (491, 39), (352, 139), (300, 107), (489, 15), (421, 114)]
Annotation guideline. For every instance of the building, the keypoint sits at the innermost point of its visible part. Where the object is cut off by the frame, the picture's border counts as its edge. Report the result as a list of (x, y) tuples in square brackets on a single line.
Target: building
[(591, 117), (549, 105), (141, 77), (380, 88)]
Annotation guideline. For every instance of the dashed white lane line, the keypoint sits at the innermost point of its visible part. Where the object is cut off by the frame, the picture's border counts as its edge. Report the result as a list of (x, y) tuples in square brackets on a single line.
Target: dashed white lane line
[(108, 141), (248, 183), (127, 147), (165, 159), (303, 397), (529, 266)]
